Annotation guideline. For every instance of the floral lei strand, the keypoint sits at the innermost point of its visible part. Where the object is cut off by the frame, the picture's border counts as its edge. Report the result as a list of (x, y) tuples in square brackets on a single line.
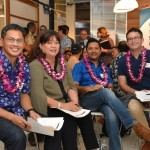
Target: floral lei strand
[(58, 76), (94, 77), (5, 79), (142, 66)]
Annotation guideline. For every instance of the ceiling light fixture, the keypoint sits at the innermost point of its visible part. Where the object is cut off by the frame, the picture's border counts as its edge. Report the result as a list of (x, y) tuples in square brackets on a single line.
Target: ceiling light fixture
[(125, 6)]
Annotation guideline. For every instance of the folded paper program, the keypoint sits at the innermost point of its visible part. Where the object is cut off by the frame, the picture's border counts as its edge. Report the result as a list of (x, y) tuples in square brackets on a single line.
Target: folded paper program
[(143, 96), (46, 126), (78, 114)]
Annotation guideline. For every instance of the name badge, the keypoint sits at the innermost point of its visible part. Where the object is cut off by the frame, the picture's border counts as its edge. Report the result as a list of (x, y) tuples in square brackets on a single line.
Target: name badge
[(147, 65), (102, 75)]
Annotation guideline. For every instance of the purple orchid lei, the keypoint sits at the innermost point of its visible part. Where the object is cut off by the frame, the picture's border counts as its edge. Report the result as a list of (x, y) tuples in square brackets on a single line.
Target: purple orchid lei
[(93, 76), (19, 78), (142, 66), (58, 76)]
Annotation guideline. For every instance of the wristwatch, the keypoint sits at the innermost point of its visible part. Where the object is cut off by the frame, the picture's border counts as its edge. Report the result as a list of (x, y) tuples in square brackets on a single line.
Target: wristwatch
[(28, 111)]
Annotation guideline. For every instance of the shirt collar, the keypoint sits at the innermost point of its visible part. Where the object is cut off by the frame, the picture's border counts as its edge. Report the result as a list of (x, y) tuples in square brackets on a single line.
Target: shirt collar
[(99, 61), (6, 61)]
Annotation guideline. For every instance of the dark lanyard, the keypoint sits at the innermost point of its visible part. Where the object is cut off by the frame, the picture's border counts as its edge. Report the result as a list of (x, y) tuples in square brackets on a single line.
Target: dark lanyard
[(60, 83)]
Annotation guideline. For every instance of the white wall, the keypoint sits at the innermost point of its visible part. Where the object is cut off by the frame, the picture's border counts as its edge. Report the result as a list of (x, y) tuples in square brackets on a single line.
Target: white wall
[(26, 11)]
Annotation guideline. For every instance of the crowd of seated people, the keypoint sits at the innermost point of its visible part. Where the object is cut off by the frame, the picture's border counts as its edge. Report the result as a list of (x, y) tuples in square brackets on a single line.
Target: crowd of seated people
[(55, 82)]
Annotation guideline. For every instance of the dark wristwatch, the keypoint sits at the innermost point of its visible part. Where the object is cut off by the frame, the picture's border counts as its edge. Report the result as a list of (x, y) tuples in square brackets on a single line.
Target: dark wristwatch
[(28, 112)]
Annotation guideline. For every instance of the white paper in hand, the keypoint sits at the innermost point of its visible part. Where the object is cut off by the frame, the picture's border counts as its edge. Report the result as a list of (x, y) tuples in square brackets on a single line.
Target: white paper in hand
[(78, 114), (52, 124), (56, 123), (143, 96)]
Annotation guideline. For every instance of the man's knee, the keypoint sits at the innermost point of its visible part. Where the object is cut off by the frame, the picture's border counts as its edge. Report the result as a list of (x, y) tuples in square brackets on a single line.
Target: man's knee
[(135, 106)]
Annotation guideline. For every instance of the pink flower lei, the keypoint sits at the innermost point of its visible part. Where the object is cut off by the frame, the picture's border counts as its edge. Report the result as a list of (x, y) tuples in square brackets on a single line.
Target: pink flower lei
[(142, 66), (58, 76), (94, 77), (19, 78)]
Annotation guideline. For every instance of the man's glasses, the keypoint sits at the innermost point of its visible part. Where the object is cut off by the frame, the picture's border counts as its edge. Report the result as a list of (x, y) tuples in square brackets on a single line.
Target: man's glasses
[(136, 38), (12, 40)]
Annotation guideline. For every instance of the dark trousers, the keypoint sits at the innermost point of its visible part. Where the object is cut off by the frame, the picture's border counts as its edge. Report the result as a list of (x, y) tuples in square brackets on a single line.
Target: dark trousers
[(12, 135), (68, 133)]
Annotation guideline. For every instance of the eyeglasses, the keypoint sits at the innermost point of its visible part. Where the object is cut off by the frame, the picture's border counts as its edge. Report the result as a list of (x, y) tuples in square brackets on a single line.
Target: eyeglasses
[(12, 40), (136, 38)]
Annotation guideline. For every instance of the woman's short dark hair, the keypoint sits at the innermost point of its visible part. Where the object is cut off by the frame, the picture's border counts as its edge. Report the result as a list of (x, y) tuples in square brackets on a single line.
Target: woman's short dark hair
[(42, 39)]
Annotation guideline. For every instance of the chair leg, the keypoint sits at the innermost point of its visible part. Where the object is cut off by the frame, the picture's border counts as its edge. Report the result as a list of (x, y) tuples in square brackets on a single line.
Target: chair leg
[(36, 141)]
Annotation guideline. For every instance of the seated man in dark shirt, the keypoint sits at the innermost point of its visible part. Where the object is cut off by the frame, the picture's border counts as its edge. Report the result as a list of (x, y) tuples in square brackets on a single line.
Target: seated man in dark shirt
[(134, 75)]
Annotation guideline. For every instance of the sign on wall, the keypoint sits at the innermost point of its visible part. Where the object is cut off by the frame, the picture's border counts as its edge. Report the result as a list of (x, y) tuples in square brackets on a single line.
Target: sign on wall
[(145, 26)]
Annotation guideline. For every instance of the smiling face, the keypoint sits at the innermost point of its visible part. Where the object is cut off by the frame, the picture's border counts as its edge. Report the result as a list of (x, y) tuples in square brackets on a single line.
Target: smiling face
[(51, 47), (134, 40), (13, 44), (93, 51), (83, 34)]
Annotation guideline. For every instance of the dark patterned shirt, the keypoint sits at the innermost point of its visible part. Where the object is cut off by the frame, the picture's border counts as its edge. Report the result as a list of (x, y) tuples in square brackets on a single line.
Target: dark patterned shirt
[(11, 101), (114, 73)]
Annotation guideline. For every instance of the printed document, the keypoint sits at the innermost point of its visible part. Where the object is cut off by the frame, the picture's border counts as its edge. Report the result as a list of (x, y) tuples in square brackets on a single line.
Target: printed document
[(46, 125), (78, 114), (143, 96)]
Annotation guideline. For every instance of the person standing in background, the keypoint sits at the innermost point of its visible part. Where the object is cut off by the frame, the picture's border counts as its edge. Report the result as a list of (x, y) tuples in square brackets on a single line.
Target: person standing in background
[(65, 41), (43, 28), (83, 38), (72, 40), (29, 38), (106, 43)]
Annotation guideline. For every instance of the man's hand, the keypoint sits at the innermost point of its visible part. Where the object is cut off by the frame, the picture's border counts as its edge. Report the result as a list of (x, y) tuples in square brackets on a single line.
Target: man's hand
[(34, 115), (97, 87), (20, 121)]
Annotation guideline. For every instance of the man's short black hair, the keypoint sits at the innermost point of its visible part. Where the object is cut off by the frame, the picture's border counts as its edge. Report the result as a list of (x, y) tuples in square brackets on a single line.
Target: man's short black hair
[(135, 30), (63, 29), (12, 27), (67, 27), (30, 25), (91, 40)]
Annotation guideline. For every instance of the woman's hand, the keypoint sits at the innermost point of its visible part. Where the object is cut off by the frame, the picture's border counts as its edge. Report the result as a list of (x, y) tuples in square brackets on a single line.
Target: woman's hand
[(73, 106)]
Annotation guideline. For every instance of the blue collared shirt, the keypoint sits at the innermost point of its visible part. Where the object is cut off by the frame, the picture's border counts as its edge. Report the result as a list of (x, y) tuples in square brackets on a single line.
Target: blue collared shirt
[(122, 71), (82, 76), (11, 101)]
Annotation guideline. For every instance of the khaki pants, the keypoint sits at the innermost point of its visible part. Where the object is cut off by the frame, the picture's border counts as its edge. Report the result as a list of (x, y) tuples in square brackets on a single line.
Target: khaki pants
[(136, 109)]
